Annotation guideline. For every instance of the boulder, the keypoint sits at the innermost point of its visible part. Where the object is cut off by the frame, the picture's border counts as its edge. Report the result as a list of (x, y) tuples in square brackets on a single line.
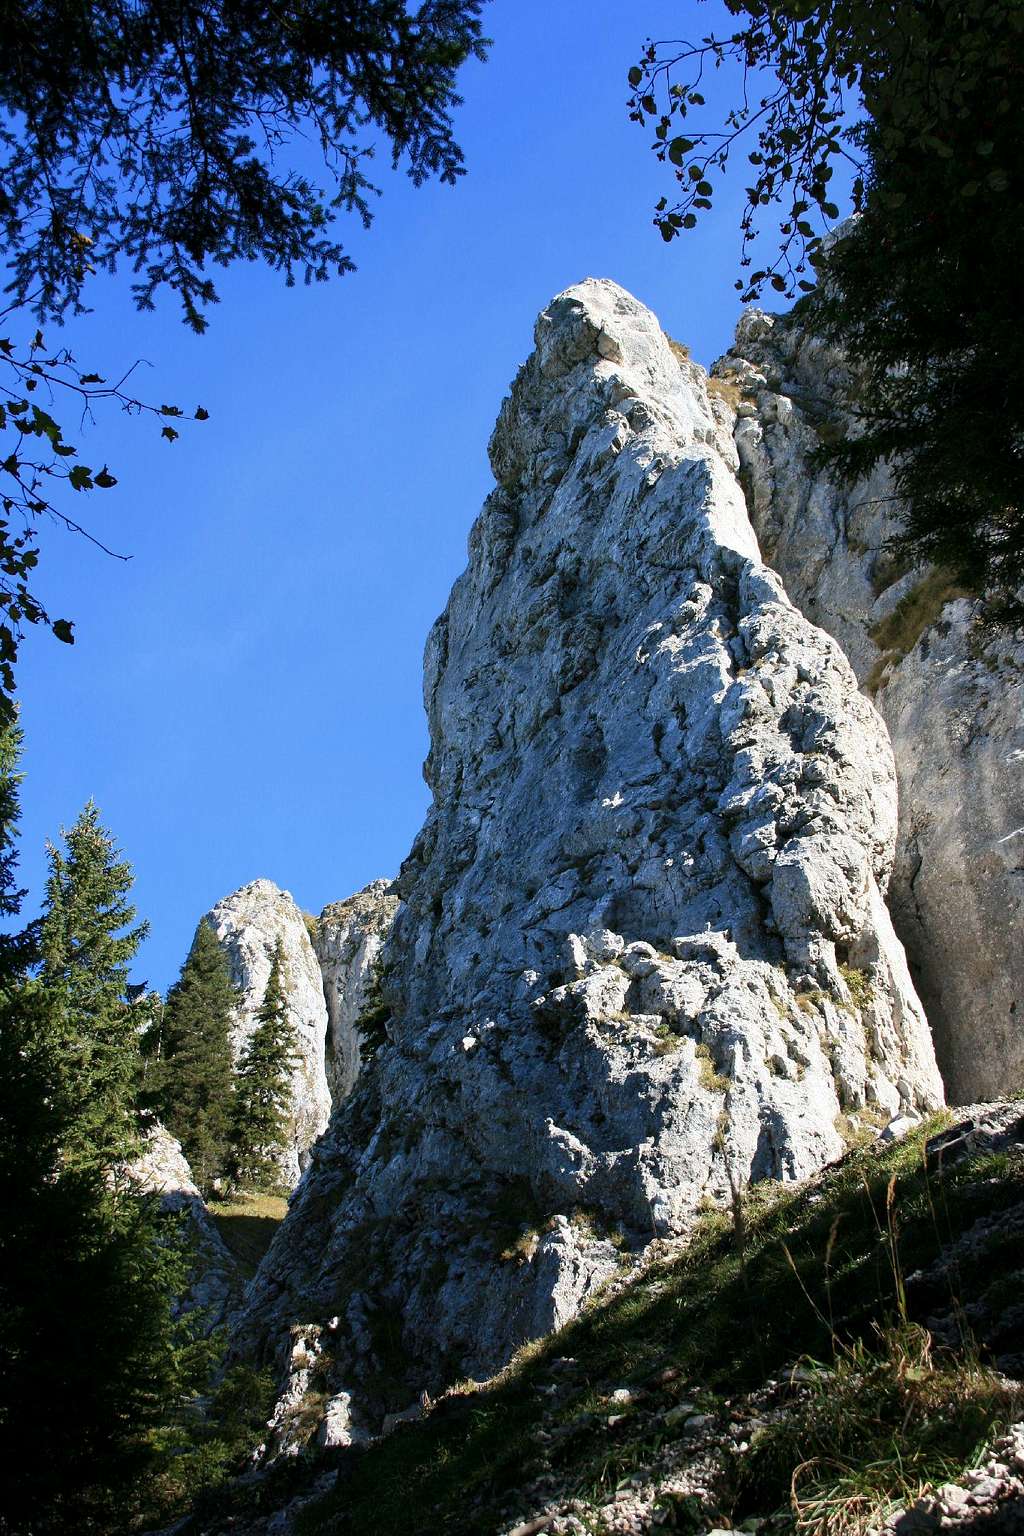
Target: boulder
[(216, 1281)]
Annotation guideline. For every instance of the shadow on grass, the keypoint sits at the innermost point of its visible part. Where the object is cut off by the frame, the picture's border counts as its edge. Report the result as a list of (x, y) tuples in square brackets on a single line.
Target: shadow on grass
[(806, 1272), (248, 1224)]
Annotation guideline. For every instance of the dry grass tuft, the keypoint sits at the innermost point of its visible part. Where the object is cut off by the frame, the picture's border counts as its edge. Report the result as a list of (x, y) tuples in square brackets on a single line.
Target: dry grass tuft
[(729, 390), (883, 1426), (898, 633)]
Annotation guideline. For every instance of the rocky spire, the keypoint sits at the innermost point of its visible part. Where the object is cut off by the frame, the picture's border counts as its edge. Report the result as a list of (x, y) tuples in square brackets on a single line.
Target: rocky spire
[(642, 955)]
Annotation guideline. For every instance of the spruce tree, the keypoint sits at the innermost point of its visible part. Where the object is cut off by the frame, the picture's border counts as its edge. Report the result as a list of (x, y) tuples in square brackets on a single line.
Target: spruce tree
[(90, 1355), (87, 941), (263, 1090), (194, 1075)]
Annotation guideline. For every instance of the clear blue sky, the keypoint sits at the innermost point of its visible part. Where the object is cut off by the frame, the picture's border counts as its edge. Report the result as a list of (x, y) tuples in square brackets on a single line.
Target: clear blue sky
[(244, 696)]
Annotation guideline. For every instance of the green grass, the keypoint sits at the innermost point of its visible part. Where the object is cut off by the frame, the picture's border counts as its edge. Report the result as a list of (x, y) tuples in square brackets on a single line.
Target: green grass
[(248, 1223), (819, 1272)]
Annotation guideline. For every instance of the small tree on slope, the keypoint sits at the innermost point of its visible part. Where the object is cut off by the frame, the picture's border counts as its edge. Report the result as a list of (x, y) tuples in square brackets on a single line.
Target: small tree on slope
[(263, 1092), (193, 1095)]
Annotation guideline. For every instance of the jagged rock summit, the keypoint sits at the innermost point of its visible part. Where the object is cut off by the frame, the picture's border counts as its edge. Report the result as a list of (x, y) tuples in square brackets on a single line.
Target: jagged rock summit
[(249, 923), (642, 954)]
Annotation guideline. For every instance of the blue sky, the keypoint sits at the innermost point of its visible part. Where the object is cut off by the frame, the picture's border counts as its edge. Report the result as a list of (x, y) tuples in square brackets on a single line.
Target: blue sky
[(244, 696)]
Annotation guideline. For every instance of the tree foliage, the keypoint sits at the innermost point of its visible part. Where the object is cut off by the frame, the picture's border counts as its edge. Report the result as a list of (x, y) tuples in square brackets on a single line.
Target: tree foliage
[(193, 1076), (87, 938), (90, 1354), (924, 100), (820, 83), (263, 1087), (175, 141), (173, 137), (918, 294), (38, 466)]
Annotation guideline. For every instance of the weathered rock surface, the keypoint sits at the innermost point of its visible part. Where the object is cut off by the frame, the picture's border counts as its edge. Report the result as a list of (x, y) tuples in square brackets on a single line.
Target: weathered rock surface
[(952, 698), (349, 938), (249, 924), (162, 1169), (642, 953)]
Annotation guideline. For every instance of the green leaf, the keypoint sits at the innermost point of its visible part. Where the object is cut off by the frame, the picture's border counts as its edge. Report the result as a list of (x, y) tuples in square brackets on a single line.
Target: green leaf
[(105, 479), (43, 425), (636, 74), (63, 631), (169, 433), (80, 477)]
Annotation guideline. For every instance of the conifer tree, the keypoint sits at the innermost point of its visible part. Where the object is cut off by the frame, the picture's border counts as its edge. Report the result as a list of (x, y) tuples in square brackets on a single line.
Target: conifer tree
[(87, 942), (90, 1355), (194, 1075), (263, 1090)]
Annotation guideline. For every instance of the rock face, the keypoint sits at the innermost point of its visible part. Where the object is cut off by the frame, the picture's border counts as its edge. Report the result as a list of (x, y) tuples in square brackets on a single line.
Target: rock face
[(349, 938), (642, 954), (162, 1169), (249, 924), (953, 700)]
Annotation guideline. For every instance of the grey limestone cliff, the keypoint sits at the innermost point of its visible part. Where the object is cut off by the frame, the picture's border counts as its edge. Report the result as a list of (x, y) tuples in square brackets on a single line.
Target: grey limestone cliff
[(349, 938), (642, 954), (249, 923), (216, 1283), (951, 695)]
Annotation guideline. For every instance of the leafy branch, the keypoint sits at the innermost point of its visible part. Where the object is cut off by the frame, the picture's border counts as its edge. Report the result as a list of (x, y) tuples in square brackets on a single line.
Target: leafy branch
[(167, 147), (795, 130), (38, 465)]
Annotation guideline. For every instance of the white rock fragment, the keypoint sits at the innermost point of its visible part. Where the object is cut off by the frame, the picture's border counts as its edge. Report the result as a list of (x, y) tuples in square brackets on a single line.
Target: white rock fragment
[(216, 1282)]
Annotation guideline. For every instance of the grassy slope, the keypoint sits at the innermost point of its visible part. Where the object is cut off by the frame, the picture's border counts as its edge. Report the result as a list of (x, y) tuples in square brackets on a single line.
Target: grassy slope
[(741, 1302), (729, 1311), (247, 1223)]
